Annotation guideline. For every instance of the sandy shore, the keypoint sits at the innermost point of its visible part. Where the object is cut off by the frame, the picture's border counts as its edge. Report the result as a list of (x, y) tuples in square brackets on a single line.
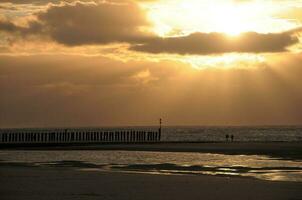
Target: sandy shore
[(50, 183), (284, 150), (60, 181)]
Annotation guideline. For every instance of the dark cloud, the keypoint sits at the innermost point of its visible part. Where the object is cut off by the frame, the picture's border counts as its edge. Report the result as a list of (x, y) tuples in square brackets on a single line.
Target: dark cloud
[(87, 23), (94, 24), (40, 2), (216, 43), (25, 1), (33, 28), (43, 2), (9, 27)]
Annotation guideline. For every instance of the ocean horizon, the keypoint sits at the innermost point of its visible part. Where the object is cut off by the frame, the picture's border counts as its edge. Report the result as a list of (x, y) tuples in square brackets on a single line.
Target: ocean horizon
[(201, 133)]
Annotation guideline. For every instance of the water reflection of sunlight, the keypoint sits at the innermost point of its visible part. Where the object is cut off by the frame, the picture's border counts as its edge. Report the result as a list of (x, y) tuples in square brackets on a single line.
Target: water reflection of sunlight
[(180, 163)]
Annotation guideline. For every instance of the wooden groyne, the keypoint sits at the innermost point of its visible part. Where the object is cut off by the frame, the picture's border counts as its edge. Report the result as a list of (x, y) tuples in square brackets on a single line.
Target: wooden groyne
[(77, 136)]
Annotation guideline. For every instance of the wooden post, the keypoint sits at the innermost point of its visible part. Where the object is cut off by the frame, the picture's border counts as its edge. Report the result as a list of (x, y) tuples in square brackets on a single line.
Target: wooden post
[(159, 131)]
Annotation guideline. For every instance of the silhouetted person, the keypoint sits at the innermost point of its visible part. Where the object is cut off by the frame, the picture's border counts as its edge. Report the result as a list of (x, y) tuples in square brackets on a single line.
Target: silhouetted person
[(232, 138), (227, 137)]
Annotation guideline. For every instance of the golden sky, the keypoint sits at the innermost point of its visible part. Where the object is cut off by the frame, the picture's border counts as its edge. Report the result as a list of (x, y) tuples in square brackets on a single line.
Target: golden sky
[(129, 62)]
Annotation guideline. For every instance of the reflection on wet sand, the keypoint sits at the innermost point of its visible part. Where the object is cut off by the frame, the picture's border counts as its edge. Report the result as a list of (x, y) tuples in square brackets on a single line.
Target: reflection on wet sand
[(265, 173), (181, 163), (293, 174)]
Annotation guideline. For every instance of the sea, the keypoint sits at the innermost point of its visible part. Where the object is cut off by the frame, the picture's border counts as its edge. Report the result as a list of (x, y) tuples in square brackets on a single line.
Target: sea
[(208, 133), (240, 133), (261, 167)]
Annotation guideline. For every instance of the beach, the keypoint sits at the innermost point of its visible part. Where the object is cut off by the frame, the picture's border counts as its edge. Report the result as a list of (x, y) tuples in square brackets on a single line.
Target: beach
[(66, 183), (32, 172)]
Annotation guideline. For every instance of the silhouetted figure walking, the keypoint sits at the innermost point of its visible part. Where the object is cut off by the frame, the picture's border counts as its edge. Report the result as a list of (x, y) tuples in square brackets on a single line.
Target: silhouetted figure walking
[(227, 137), (232, 138)]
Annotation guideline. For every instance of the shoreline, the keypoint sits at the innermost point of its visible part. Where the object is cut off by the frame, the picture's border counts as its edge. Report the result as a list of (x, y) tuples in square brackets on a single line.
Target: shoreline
[(283, 150), (74, 179)]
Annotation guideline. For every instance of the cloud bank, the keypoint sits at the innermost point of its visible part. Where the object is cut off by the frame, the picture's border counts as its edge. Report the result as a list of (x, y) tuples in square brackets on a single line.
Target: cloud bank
[(216, 43), (93, 91), (89, 23)]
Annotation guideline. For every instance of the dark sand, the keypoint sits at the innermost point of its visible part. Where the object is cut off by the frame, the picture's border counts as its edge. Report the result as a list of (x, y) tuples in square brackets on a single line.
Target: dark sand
[(283, 150), (45, 183)]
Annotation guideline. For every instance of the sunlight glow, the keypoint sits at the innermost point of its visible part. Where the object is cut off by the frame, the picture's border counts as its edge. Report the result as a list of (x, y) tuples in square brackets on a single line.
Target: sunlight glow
[(225, 61), (174, 18), (177, 17)]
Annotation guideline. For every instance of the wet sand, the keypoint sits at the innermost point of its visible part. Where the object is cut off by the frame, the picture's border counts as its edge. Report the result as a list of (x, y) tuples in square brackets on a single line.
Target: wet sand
[(60, 181), (284, 150), (52, 183)]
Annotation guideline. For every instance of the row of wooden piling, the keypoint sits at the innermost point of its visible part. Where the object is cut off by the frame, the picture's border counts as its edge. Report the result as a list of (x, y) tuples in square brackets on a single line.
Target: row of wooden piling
[(77, 136)]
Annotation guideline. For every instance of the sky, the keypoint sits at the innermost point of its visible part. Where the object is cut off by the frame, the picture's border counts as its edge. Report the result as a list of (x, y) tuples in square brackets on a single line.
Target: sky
[(79, 63)]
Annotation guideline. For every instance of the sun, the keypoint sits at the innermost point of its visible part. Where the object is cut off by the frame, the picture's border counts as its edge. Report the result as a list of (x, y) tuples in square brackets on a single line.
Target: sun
[(176, 17), (228, 19)]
